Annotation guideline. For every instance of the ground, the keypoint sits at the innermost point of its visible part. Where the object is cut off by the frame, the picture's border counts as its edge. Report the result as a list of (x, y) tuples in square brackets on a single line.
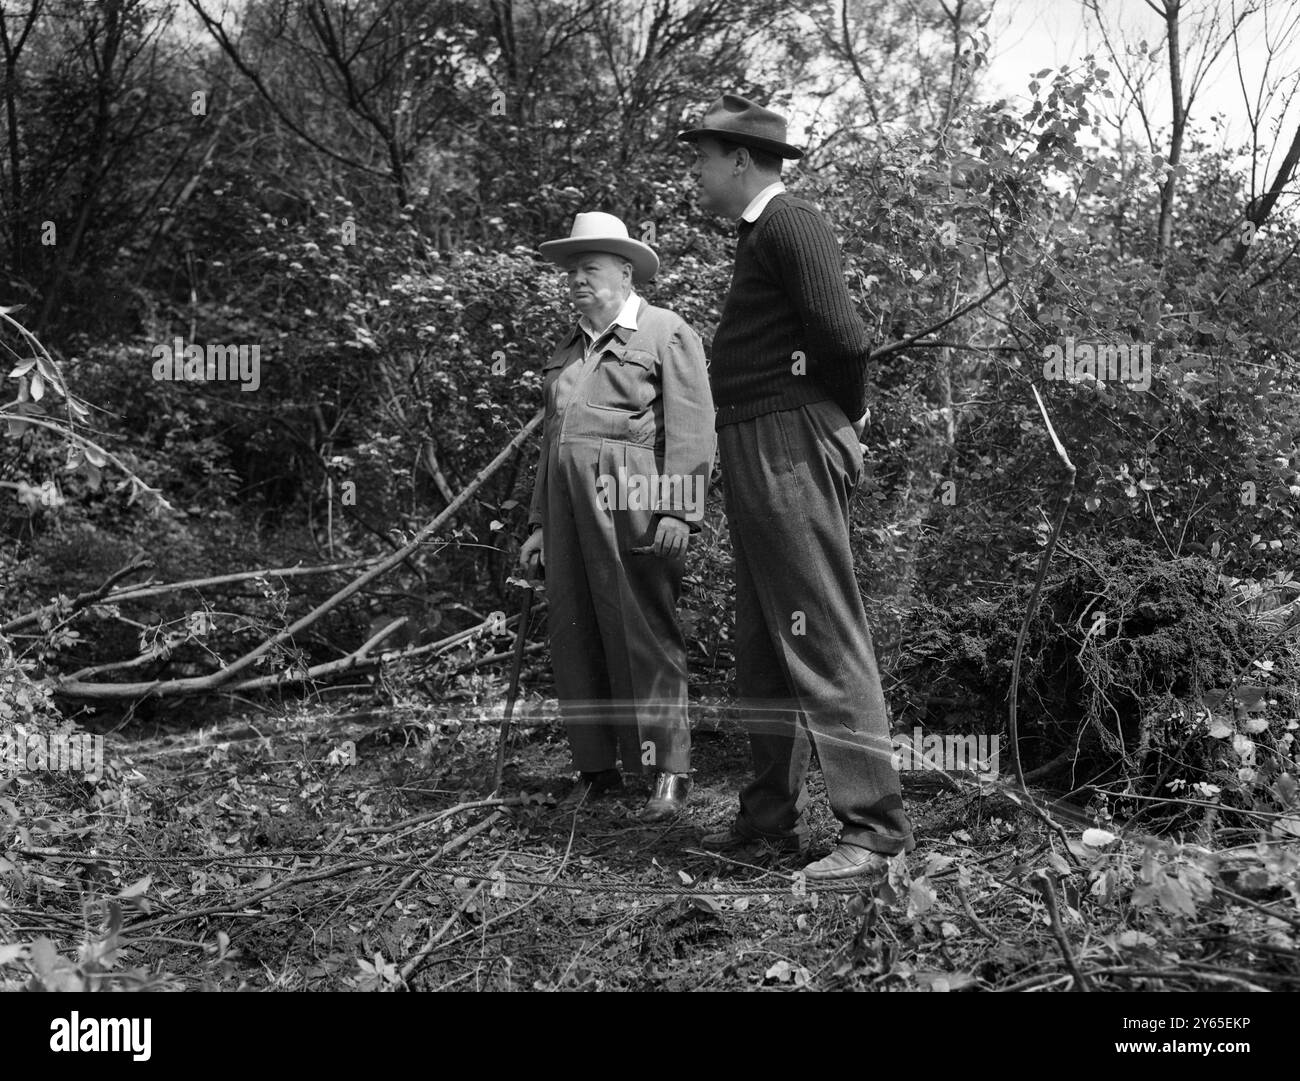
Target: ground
[(347, 843)]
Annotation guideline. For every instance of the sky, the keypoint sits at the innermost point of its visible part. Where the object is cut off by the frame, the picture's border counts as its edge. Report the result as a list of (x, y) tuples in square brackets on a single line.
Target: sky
[(1030, 35)]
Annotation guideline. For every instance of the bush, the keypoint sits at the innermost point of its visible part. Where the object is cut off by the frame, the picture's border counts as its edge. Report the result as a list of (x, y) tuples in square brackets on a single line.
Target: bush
[(1125, 678)]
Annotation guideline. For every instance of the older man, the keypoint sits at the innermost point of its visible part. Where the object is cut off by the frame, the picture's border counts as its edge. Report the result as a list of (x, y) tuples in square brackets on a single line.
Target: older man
[(627, 448), (788, 377)]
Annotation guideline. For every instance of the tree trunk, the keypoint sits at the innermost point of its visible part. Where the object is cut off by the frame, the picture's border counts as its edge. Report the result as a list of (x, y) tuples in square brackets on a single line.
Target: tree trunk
[(1165, 230)]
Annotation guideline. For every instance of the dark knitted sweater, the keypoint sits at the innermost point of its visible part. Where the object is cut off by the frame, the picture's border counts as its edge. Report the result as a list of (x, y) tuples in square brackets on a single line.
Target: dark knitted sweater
[(787, 296)]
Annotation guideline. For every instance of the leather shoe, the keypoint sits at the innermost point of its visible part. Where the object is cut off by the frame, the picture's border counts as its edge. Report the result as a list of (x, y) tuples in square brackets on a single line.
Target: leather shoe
[(732, 840), (847, 861), (668, 798), (592, 786)]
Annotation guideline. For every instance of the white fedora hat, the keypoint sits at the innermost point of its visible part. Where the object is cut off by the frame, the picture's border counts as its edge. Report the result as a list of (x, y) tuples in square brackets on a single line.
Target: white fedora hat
[(596, 231)]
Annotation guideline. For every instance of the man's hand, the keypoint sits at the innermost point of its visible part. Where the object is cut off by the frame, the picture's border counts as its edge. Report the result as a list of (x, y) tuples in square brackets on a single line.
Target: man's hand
[(860, 425), (671, 538), (533, 553)]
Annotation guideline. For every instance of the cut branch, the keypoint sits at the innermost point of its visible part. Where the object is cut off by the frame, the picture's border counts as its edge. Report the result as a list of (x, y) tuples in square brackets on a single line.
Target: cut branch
[(72, 688), (82, 600)]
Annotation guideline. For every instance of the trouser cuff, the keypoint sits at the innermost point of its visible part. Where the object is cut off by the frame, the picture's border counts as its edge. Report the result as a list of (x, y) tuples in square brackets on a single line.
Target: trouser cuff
[(879, 843)]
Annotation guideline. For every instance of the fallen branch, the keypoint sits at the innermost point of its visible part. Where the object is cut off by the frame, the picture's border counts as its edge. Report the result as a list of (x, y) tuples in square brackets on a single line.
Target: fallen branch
[(82, 600), (71, 688), (231, 908), (359, 660), (144, 591), (493, 658)]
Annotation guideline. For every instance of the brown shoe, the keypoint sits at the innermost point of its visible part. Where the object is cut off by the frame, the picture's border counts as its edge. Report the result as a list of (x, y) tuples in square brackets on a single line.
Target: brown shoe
[(668, 798), (592, 786), (847, 861)]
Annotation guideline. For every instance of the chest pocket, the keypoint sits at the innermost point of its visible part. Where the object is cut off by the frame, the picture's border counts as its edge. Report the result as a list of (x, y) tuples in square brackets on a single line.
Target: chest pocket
[(555, 388), (624, 380)]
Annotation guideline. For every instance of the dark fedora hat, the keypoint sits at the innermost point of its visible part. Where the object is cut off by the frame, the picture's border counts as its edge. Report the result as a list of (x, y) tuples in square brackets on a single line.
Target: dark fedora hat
[(739, 120)]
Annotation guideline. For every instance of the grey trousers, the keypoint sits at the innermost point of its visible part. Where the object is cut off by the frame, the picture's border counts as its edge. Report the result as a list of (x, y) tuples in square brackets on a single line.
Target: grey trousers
[(805, 662)]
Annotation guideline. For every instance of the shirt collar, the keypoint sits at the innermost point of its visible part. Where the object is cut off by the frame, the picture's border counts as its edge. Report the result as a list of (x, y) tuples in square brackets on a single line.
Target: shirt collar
[(625, 318), (759, 203)]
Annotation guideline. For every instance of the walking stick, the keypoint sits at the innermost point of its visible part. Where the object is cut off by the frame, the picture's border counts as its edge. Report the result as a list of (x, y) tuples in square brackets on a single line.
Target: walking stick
[(521, 634)]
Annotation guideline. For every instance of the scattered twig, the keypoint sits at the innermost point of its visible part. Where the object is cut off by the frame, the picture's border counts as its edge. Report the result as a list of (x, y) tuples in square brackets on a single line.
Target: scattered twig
[(432, 816), (1058, 931), (1284, 917), (975, 921), (408, 969), (1166, 975)]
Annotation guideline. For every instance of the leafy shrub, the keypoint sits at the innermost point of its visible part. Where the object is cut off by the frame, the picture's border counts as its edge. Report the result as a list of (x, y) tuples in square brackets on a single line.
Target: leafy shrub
[(1136, 670)]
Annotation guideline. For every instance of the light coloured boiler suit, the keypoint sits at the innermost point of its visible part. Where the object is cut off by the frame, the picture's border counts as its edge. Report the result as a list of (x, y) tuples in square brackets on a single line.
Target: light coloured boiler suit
[(635, 405)]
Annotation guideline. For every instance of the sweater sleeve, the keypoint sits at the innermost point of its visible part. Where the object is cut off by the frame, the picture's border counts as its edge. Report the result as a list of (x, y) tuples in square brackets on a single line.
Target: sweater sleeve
[(806, 258)]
